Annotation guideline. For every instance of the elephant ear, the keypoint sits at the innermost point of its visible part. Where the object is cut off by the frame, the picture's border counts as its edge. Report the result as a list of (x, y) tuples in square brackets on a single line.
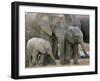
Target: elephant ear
[(69, 37), (44, 24)]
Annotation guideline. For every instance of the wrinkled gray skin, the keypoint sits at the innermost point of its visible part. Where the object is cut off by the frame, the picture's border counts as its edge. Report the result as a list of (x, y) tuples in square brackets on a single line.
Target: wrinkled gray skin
[(38, 47), (50, 27), (73, 37), (59, 27)]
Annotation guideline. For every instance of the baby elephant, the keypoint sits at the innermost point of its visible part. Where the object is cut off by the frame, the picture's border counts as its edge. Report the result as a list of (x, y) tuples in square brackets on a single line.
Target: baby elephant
[(37, 49), (73, 37)]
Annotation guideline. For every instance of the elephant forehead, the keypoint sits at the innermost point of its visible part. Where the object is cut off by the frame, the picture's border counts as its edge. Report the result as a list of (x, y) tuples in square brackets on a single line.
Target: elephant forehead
[(76, 30), (77, 33), (44, 24), (58, 18), (44, 18), (61, 17)]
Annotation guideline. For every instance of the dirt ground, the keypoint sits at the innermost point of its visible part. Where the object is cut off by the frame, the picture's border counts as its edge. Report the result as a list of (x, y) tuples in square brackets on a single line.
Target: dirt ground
[(84, 61)]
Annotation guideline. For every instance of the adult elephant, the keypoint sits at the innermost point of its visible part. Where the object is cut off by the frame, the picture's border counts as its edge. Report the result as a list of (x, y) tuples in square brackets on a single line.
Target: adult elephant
[(54, 26), (84, 19), (73, 37), (43, 22), (33, 28), (38, 25)]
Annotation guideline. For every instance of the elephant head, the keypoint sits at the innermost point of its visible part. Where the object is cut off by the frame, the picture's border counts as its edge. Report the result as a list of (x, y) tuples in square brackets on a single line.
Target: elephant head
[(74, 35), (72, 20), (43, 22), (52, 25)]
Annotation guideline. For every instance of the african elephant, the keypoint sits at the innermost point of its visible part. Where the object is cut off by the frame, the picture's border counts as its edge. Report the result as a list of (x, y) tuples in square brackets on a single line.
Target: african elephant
[(85, 27), (33, 29), (72, 20), (50, 27), (82, 21), (37, 48), (73, 37), (59, 24)]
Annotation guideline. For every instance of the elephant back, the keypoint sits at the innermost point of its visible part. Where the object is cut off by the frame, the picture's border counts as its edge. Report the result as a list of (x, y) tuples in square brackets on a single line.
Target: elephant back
[(38, 44)]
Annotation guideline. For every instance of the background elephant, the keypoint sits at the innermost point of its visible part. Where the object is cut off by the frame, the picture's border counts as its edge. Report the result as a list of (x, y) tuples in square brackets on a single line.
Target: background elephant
[(85, 27), (73, 37), (58, 24), (38, 47), (72, 20)]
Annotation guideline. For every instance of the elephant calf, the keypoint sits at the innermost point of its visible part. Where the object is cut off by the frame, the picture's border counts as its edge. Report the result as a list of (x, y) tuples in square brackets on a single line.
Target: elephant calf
[(73, 37), (37, 49)]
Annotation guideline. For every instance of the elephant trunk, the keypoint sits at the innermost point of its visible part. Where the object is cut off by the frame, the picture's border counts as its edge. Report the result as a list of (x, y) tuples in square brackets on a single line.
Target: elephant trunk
[(83, 48)]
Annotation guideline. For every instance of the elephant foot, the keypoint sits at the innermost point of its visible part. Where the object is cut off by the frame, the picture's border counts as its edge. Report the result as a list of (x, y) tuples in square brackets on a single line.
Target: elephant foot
[(49, 60), (76, 62), (68, 62), (54, 63), (42, 65), (62, 62)]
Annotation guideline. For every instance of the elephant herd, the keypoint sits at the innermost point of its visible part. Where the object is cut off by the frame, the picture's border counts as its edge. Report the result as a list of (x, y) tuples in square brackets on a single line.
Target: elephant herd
[(54, 36)]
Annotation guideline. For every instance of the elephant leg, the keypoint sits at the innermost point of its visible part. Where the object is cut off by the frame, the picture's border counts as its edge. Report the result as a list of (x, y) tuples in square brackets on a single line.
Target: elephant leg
[(26, 60), (76, 54), (30, 61), (62, 55), (50, 56), (68, 51), (55, 49), (41, 59), (29, 55), (55, 46), (52, 59), (34, 57)]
